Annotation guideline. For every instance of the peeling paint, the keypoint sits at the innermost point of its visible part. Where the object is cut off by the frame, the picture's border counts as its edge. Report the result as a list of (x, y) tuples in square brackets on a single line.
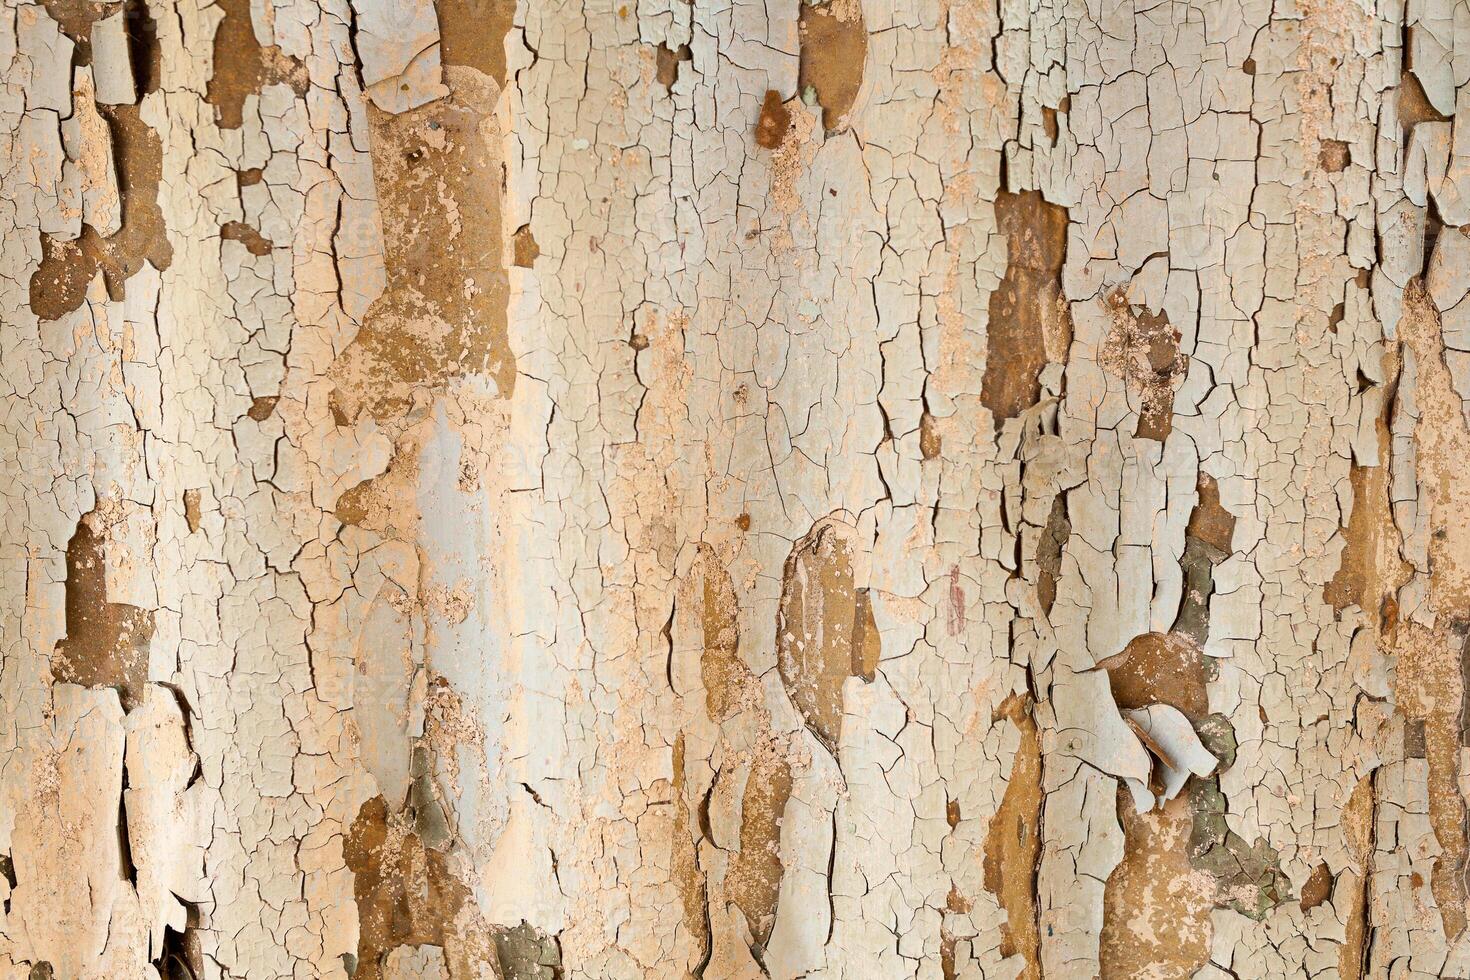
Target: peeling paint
[(833, 489)]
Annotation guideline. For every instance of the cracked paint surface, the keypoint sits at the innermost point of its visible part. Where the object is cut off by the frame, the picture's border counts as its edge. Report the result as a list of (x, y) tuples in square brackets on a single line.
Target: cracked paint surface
[(550, 489)]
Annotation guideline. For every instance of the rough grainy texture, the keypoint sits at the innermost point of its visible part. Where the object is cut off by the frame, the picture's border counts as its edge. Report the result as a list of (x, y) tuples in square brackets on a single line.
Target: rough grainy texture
[(584, 489)]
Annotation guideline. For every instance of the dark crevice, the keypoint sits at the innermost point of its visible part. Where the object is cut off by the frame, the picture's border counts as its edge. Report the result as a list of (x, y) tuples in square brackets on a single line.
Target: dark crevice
[(124, 846), (527, 953), (181, 957), (1049, 552)]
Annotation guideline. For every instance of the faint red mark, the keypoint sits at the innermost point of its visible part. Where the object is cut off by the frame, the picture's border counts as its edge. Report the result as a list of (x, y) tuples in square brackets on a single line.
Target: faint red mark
[(956, 602)]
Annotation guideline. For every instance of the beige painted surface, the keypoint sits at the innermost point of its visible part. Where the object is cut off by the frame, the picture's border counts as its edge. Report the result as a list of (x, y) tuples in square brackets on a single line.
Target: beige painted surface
[(936, 489)]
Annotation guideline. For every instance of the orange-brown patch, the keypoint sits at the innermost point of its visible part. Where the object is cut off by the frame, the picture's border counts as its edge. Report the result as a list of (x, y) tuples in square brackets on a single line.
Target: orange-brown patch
[(1026, 309)]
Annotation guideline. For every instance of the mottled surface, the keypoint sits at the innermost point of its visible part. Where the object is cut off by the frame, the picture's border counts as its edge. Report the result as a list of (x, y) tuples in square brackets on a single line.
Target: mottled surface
[(560, 489)]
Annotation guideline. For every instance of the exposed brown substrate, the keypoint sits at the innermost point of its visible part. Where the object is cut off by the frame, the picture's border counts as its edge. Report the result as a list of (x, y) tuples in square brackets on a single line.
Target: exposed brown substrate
[(1027, 306), (1142, 348), (834, 47), (242, 67), (1013, 842), (407, 895), (443, 313), (825, 631), (59, 284), (106, 643)]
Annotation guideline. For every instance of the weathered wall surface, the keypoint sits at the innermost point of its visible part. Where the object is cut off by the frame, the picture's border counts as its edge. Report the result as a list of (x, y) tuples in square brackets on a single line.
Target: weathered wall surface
[(939, 489)]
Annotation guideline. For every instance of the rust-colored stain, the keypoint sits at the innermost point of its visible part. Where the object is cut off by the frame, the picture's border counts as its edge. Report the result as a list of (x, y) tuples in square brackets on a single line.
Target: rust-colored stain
[(352, 504), (774, 121), (1430, 682), (866, 641), (443, 312), (1208, 540), (1372, 543), (1050, 121), (753, 879), (954, 902), (242, 67), (388, 503), (825, 631), (1049, 124), (834, 49), (1013, 842), (1028, 316), (1429, 689), (956, 604), (1444, 444), (106, 643), (931, 440)]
